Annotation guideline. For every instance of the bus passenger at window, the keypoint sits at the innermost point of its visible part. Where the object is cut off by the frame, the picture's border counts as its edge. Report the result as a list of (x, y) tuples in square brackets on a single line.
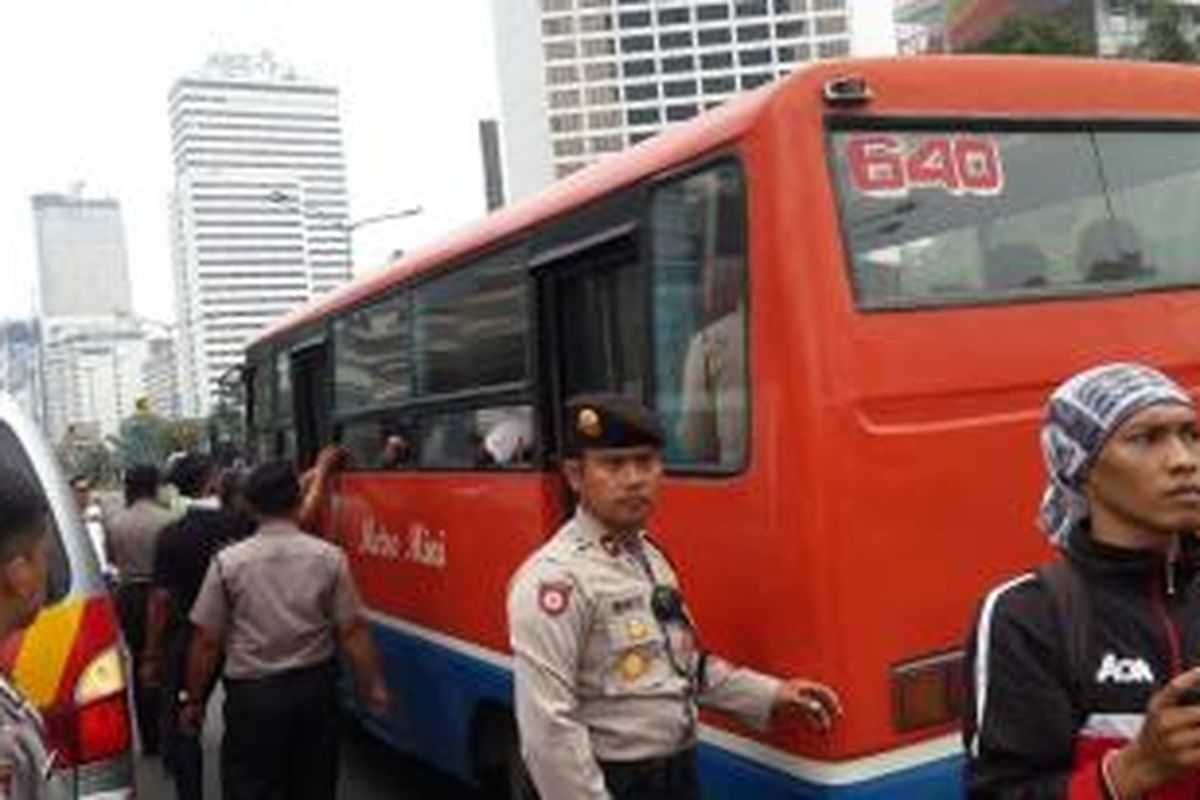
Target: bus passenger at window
[(608, 666), (396, 452), (712, 415), (508, 437), (1111, 250), (314, 485), (1078, 674)]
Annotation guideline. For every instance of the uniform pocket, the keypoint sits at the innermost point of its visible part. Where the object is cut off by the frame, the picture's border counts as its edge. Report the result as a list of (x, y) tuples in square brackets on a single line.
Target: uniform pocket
[(638, 658)]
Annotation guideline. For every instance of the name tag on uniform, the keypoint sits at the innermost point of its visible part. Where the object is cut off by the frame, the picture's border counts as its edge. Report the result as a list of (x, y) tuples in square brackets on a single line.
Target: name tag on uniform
[(624, 605)]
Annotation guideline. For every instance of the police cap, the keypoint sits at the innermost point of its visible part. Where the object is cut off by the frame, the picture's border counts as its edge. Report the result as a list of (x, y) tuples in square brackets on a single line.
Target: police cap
[(604, 420)]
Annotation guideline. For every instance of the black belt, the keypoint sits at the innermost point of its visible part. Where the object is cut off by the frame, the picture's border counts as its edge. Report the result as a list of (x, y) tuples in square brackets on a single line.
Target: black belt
[(322, 670), (676, 768)]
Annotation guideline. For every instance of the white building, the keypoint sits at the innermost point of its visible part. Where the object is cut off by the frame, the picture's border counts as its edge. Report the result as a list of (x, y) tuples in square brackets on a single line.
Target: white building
[(93, 373), (259, 209), (581, 78), (83, 269), (160, 382)]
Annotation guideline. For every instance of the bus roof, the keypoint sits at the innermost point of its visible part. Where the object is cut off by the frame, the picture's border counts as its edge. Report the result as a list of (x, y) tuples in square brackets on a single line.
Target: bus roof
[(935, 86)]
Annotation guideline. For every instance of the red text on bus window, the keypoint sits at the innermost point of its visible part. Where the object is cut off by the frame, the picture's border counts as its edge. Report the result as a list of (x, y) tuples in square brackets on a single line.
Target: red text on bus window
[(889, 165)]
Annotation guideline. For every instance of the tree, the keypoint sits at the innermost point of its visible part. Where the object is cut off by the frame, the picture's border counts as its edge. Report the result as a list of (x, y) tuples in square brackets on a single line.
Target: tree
[(1163, 39), (143, 438), (1035, 34)]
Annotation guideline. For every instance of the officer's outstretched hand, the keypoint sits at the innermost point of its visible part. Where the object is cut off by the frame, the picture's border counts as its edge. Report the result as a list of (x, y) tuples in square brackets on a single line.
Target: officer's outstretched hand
[(377, 698), (817, 705), (1168, 743)]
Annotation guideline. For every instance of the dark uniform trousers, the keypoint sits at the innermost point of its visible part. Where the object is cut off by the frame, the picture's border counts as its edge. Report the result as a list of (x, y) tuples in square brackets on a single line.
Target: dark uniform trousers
[(669, 778), (182, 751), (281, 736), (131, 610)]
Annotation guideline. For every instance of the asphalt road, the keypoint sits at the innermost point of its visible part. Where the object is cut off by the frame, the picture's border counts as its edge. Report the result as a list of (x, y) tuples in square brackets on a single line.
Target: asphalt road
[(369, 771)]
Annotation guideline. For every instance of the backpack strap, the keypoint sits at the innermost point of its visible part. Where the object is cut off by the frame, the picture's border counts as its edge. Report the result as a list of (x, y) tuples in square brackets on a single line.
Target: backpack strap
[(1073, 613)]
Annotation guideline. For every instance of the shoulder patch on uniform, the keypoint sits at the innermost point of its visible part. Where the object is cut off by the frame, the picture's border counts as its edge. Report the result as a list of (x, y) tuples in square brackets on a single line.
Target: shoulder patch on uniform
[(554, 597)]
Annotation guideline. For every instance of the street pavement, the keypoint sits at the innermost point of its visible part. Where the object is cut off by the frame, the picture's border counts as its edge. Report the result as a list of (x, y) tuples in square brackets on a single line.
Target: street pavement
[(369, 771)]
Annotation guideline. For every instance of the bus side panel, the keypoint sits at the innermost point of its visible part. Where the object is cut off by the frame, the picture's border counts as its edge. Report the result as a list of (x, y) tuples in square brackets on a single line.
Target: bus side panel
[(942, 420), (438, 689), (432, 554)]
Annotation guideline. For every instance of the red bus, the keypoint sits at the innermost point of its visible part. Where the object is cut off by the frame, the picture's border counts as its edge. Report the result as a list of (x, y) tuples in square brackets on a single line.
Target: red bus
[(847, 295)]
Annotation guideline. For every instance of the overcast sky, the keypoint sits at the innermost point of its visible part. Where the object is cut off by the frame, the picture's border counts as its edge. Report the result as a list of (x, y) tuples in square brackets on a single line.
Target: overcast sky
[(83, 85)]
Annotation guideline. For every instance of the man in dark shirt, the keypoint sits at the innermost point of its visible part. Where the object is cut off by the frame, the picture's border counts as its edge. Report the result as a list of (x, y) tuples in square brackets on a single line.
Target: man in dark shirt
[(181, 560)]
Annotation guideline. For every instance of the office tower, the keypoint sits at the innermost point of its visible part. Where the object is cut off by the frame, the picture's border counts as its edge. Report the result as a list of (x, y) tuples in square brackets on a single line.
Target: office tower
[(582, 78), (258, 211)]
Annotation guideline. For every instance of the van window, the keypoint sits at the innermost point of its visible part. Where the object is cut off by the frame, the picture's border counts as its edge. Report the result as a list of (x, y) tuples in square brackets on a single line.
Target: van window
[(13, 456)]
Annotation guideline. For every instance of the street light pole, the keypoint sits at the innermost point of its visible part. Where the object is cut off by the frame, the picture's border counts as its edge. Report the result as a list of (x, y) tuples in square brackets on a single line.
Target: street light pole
[(279, 196)]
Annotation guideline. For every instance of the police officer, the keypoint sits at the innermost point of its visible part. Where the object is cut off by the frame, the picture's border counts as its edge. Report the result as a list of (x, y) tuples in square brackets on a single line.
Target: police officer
[(131, 537), (25, 762), (608, 671), (280, 603)]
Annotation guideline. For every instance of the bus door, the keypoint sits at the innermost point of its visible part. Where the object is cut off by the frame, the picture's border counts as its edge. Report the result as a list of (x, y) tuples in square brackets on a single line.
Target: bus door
[(593, 315), (310, 399)]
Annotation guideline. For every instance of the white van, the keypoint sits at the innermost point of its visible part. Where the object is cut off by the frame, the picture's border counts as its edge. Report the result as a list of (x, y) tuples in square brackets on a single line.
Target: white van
[(71, 662)]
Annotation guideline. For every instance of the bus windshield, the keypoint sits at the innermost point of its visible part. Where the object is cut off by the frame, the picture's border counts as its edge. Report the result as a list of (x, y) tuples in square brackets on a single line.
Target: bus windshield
[(950, 216)]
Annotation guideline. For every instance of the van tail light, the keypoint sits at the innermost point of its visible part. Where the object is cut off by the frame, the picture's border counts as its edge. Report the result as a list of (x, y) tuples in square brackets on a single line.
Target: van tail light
[(103, 729), (927, 692), (97, 725)]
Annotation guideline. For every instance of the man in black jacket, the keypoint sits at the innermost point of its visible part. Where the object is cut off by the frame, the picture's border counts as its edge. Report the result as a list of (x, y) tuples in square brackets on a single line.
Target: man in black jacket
[(181, 560), (1108, 717)]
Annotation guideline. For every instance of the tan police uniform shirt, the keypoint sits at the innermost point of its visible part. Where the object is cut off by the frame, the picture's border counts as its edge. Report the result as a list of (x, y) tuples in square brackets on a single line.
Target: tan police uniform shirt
[(713, 416), (593, 674), (277, 600), (26, 765), (132, 535)]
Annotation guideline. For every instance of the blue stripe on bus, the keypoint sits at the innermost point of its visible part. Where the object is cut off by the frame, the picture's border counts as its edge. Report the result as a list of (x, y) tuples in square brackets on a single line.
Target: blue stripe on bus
[(438, 688)]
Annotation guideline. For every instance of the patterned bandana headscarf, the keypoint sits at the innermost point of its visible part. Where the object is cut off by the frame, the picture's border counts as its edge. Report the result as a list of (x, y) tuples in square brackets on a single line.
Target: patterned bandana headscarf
[(1081, 415)]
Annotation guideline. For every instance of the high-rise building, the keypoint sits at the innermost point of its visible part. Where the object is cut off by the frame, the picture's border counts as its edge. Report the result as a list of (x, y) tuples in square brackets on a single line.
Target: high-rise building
[(93, 373), (159, 374), (82, 265), (1111, 28), (259, 211), (582, 78)]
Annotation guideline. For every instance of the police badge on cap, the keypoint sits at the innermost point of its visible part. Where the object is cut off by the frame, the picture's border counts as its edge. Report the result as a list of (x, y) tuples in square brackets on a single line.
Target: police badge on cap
[(599, 421)]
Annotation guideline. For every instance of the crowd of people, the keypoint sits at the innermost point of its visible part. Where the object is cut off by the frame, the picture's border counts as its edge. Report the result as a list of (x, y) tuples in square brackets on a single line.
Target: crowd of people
[(216, 576), (1077, 674)]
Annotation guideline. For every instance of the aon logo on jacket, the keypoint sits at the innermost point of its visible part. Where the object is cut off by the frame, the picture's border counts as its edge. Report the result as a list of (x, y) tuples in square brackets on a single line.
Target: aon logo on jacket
[(1114, 669)]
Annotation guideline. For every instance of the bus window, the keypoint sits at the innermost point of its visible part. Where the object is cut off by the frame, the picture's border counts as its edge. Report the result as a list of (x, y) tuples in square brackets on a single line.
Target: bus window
[(600, 326), (310, 379), (470, 327), (700, 317), (262, 410), (373, 365), (941, 217), (380, 443), (478, 438)]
